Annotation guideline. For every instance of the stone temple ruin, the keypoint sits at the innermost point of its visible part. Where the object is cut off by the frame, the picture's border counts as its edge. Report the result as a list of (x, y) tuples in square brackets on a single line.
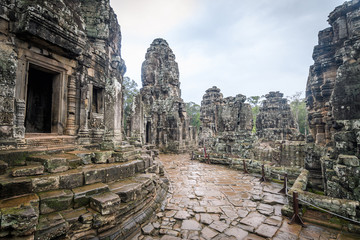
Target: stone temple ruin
[(61, 72), (159, 114), (333, 100), (226, 123), (275, 120), (328, 159), (67, 171)]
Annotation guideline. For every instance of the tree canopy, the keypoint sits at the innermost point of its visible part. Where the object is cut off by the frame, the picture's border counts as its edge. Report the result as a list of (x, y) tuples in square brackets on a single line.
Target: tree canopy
[(193, 111)]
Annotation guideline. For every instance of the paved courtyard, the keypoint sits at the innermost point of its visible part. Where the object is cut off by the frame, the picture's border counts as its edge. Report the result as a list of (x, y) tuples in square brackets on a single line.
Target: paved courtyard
[(215, 202)]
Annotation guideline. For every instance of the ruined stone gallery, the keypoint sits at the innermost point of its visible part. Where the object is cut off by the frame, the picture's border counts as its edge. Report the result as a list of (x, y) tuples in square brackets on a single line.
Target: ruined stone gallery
[(68, 169)]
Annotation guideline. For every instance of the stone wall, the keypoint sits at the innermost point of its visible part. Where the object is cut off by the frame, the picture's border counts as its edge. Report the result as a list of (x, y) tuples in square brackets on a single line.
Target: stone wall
[(332, 96), (75, 47), (159, 115), (226, 124)]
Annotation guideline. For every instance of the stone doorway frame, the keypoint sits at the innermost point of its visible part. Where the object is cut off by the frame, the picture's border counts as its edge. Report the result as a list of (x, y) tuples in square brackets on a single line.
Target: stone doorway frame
[(59, 103)]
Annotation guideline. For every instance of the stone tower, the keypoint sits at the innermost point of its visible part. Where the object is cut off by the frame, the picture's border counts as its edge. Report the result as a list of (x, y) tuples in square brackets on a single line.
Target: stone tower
[(226, 123), (159, 114), (333, 101), (60, 72), (275, 120)]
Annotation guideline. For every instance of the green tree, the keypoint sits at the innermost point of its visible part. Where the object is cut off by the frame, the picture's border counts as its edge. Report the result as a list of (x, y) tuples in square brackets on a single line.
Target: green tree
[(254, 102), (130, 90), (193, 111), (298, 108)]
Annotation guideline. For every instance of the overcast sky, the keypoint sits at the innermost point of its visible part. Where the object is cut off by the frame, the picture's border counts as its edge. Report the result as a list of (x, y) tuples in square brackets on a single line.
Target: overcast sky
[(241, 46)]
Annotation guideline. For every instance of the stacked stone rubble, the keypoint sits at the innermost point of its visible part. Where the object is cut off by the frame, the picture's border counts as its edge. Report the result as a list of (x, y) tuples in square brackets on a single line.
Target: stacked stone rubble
[(226, 123), (333, 101), (159, 114), (75, 46)]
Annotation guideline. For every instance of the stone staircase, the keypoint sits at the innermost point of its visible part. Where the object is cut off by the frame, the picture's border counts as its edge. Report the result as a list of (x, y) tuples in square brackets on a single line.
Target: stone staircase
[(80, 194)]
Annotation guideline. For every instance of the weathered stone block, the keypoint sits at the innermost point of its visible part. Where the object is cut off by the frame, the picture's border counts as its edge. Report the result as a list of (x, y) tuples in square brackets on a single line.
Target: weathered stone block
[(121, 171), (73, 216), (28, 171), (3, 167), (85, 156), (71, 179), (44, 183), (114, 173), (349, 160), (51, 226), (141, 165), (127, 190), (102, 156), (52, 163), (105, 203), (82, 194), (95, 174), (12, 187), (19, 215), (54, 201)]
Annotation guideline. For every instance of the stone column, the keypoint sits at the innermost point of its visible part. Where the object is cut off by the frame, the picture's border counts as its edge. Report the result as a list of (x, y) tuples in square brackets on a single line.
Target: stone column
[(19, 132), (71, 125)]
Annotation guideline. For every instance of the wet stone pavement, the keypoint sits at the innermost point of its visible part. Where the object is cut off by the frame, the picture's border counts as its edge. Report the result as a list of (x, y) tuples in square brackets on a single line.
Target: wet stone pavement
[(215, 202)]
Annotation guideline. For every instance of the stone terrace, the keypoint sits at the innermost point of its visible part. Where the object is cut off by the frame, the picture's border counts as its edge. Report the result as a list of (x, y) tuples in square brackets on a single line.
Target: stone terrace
[(79, 193), (215, 202)]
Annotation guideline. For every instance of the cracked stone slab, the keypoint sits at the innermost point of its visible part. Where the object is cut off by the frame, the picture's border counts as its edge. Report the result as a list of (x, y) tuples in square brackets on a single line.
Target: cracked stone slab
[(266, 230), (148, 229), (182, 215), (254, 219), (219, 226), (273, 199), (207, 233), (236, 232), (242, 213), (274, 221), (265, 209), (206, 218), (190, 225)]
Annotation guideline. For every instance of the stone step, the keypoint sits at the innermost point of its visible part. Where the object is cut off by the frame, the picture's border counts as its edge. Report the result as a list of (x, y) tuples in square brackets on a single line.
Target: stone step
[(54, 163), (128, 190), (51, 214), (82, 194), (31, 170), (56, 200), (18, 157), (72, 178), (124, 148), (19, 215), (105, 203), (51, 226), (48, 140), (127, 156)]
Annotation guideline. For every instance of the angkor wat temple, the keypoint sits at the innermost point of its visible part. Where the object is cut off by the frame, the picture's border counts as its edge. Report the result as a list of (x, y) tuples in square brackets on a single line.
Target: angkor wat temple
[(67, 171)]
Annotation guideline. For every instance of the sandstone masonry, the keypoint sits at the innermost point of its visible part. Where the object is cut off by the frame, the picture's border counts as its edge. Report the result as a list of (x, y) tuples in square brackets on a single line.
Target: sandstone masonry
[(159, 114)]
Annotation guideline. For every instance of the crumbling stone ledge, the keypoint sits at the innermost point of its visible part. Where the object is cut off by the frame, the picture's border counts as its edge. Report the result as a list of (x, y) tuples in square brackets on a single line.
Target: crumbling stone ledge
[(343, 207), (298, 178)]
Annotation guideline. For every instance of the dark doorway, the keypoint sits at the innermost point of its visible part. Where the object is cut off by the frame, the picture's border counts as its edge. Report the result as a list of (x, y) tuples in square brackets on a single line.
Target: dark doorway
[(39, 100), (148, 132)]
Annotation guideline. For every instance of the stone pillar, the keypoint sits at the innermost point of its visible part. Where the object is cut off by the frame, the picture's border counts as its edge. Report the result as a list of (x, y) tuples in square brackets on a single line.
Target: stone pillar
[(19, 131), (71, 125), (84, 113)]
